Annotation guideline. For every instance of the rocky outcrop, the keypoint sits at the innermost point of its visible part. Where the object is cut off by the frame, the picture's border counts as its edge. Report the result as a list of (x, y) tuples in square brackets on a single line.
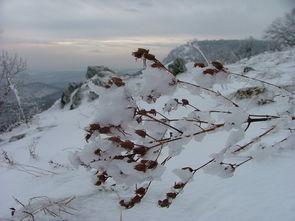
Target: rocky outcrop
[(75, 92), (99, 71)]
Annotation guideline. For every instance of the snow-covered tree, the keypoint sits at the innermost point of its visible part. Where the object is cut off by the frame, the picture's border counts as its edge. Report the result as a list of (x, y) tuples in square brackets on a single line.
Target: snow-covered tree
[(282, 30), (10, 69)]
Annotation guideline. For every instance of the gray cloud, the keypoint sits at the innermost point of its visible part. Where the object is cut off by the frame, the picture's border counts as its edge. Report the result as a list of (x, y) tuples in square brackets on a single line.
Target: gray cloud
[(291, 3), (83, 22)]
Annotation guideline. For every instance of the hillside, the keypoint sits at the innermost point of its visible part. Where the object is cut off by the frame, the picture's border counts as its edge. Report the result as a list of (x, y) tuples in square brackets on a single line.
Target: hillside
[(225, 51), (38, 169)]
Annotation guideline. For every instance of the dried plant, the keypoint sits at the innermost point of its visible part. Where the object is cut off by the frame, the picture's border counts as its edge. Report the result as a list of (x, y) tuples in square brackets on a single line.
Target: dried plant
[(7, 161), (44, 205), (130, 145)]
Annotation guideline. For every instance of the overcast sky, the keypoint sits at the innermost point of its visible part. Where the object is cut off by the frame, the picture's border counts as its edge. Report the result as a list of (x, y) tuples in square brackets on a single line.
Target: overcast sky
[(71, 34)]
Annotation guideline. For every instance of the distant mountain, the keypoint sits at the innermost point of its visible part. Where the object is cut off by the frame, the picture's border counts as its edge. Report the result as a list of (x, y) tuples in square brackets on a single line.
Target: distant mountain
[(225, 51), (38, 90), (58, 79)]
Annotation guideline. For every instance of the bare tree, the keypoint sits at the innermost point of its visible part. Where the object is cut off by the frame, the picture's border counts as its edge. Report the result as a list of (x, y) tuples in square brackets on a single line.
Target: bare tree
[(282, 30), (10, 68)]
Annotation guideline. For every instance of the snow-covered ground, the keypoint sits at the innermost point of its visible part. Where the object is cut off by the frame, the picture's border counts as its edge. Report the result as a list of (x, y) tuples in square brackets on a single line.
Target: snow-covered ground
[(38, 166)]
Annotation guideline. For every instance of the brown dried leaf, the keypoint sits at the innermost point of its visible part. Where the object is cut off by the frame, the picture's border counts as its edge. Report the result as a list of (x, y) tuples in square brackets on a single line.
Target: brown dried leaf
[(188, 168), (136, 199), (140, 167), (217, 65), (127, 205), (102, 178), (171, 195), (115, 139), (138, 119), (153, 112), (94, 127), (151, 164), (142, 112), (97, 152), (105, 130), (150, 57), (98, 183), (141, 133), (129, 145), (201, 65), (158, 65), (119, 157), (210, 71), (141, 191), (164, 203), (140, 52), (87, 137), (118, 81), (184, 102), (178, 185), (140, 150)]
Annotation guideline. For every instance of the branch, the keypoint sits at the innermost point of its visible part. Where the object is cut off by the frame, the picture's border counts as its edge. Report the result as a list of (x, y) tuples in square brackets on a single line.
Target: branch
[(208, 90)]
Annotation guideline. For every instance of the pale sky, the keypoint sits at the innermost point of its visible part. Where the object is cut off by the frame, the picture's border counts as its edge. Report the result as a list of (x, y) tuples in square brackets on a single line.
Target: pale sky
[(72, 34)]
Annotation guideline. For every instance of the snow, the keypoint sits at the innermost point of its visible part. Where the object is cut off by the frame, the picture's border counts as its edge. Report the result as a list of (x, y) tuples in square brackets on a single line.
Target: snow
[(261, 189)]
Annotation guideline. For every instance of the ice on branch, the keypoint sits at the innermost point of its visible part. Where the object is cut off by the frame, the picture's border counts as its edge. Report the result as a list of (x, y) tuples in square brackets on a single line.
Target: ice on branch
[(155, 83)]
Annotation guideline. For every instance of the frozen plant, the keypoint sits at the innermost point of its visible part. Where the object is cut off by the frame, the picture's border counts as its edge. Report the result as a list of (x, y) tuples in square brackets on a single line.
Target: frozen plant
[(132, 139)]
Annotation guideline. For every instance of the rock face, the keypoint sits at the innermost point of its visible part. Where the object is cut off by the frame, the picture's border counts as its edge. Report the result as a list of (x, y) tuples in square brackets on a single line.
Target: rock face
[(259, 95), (17, 137), (66, 95)]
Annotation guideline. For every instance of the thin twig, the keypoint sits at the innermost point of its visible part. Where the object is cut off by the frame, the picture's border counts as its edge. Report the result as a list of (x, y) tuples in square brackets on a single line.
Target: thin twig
[(208, 90), (254, 140)]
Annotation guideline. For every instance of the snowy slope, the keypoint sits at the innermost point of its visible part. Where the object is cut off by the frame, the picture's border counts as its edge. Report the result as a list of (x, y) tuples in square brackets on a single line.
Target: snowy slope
[(262, 189)]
